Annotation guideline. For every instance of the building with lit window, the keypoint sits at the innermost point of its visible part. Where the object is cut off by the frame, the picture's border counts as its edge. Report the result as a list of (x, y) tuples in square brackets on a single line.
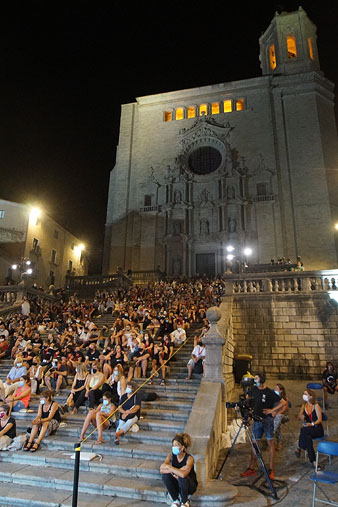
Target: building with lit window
[(35, 246), (250, 164)]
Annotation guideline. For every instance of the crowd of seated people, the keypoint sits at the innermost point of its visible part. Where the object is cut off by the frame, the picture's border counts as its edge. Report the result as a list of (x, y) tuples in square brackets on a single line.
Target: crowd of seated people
[(58, 346)]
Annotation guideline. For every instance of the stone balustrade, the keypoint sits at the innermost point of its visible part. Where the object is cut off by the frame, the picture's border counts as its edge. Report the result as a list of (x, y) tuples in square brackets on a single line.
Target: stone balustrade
[(281, 283)]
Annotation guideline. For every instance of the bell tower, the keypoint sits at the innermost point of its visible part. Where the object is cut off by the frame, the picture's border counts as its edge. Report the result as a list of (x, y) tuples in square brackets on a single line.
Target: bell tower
[(289, 45)]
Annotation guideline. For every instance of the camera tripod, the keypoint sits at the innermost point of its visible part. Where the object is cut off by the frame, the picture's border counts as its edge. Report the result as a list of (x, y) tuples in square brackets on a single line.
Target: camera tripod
[(257, 452)]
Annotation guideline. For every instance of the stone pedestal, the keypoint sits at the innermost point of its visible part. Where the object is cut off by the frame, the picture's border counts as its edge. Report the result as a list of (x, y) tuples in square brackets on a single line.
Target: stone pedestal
[(214, 348)]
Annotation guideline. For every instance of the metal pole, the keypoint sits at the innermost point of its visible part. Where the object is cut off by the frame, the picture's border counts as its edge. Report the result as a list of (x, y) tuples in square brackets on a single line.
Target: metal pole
[(77, 449)]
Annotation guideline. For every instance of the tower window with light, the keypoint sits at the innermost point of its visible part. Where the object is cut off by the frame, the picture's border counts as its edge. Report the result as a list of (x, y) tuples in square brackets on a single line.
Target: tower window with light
[(179, 113), (168, 116), (291, 45), (191, 112), (309, 42), (272, 57)]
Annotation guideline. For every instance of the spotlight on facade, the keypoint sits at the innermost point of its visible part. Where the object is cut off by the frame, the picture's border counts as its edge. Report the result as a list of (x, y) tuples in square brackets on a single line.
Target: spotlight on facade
[(14, 267), (230, 257), (29, 271), (28, 263), (247, 251), (336, 226), (35, 213), (230, 248)]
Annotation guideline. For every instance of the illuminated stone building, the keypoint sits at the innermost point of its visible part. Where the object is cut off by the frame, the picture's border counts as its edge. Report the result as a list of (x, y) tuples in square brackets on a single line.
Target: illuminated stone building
[(250, 163), (29, 235)]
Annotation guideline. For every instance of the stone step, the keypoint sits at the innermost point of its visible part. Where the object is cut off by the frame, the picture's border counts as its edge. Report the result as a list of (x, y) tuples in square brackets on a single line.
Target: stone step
[(48, 477), (122, 465)]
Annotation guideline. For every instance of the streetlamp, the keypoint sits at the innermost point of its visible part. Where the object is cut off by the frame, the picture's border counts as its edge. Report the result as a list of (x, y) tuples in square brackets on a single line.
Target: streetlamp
[(23, 267)]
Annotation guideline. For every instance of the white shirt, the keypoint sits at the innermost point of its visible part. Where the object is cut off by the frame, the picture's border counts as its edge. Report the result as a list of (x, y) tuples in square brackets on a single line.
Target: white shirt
[(179, 335), (198, 351)]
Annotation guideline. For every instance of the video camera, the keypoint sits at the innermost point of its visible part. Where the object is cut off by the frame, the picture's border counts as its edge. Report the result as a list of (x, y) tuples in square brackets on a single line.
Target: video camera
[(245, 404)]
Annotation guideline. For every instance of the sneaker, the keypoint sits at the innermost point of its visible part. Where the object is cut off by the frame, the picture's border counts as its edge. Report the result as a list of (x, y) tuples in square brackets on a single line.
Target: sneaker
[(297, 453), (162, 383), (271, 474), (175, 504), (186, 504), (248, 473)]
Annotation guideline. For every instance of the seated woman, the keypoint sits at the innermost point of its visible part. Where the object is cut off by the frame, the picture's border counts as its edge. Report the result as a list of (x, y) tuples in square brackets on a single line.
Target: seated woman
[(145, 351), (93, 385), (178, 473), (311, 415), (130, 411), (46, 422), (161, 355), (99, 417), (21, 397), (7, 426), (78, 386), (35, 374), (280, 415), (116, 384)]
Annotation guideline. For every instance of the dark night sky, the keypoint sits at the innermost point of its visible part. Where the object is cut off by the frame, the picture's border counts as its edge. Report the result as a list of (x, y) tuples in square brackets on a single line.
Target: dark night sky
[(67, 68)]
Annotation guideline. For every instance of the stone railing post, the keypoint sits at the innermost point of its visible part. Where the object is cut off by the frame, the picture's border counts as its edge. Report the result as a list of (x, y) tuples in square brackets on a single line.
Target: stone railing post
[(214, 348)]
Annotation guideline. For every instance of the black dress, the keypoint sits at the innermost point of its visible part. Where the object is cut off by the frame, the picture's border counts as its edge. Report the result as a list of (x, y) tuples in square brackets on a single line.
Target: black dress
[(307, 433)]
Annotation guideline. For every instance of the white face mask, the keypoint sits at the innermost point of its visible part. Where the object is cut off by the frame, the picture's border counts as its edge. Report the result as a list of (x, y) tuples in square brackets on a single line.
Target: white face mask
[(305, 398)]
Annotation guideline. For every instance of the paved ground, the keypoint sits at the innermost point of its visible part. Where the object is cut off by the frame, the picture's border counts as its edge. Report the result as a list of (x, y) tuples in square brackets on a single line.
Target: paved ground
[(292, 472)]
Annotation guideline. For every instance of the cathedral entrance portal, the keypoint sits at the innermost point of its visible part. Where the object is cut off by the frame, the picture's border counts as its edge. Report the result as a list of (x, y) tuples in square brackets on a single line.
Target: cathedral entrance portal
[(205, 264)]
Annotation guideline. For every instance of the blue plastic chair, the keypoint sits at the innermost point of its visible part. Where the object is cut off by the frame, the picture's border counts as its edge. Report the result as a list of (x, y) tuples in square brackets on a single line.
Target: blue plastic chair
[(320, 478), (317, 386)]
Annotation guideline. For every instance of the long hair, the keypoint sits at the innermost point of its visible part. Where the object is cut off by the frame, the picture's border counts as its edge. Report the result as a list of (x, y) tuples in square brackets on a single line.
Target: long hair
[(282, 391)]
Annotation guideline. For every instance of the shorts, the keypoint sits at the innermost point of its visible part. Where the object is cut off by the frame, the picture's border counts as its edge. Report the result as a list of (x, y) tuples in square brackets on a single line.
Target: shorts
[(18, 406), (261, 427), (63, 383)]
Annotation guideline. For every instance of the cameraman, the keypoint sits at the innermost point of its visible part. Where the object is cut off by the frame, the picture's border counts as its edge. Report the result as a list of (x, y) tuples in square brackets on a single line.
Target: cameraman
[(265, 403)]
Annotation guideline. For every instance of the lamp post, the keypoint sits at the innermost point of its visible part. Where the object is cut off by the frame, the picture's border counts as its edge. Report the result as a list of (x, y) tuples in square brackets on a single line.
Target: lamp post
[(24, 267)]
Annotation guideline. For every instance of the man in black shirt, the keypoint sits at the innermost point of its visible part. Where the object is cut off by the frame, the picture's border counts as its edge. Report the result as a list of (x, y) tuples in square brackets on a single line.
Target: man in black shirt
[(265, 402), (329, 379), (130, 411)]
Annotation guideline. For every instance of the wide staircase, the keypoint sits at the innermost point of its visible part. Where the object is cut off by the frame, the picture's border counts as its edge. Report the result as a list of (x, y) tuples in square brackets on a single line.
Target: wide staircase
[(128, 471)]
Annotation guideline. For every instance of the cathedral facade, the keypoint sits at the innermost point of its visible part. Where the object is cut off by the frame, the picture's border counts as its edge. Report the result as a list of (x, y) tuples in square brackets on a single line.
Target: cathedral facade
[(248, 167)]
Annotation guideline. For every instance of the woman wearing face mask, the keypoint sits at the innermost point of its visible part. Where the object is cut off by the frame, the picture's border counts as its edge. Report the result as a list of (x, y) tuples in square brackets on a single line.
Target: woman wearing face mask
[(311, 415), (178, 473), (22, 395), (46, 422), (7, 426), (130, 411), (116, 384), (93, 385), (99, 417), (35, 374), (78, 387), (279, 414)]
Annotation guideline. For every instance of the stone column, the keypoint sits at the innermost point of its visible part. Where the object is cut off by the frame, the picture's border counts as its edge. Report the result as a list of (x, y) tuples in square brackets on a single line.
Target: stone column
[(214, 348)]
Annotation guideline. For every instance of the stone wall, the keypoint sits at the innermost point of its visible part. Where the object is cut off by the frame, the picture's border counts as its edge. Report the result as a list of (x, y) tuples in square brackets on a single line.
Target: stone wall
[(224, 327), (289, 336)]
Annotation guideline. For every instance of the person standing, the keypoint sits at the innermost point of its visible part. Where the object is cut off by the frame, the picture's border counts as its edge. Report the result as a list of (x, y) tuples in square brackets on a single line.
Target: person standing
[(266, 402)]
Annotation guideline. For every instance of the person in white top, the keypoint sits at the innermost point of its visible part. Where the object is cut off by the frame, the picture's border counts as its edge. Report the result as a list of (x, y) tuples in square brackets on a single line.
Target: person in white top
[(196, 363), (178, 336)]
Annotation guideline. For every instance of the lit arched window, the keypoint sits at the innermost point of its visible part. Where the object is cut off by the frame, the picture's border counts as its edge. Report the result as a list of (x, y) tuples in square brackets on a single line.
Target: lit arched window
[(240, 105), (227, 106), (272, 57), (179, 113), (203, 109), (291, 43), (191, 112), (309, 42), (168, 116), (215, 108)]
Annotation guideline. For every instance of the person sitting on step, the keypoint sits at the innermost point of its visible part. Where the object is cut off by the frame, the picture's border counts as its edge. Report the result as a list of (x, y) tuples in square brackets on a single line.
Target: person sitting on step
[(46, 422), (99, 417), (130, 411), (7, 426), (19, 400), (178, 472), (196, 363)]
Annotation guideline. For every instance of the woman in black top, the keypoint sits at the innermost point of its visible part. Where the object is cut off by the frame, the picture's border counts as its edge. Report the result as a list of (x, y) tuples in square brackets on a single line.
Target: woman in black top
[(311, 415), (7, 423), (178, 473), (48, 419)]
